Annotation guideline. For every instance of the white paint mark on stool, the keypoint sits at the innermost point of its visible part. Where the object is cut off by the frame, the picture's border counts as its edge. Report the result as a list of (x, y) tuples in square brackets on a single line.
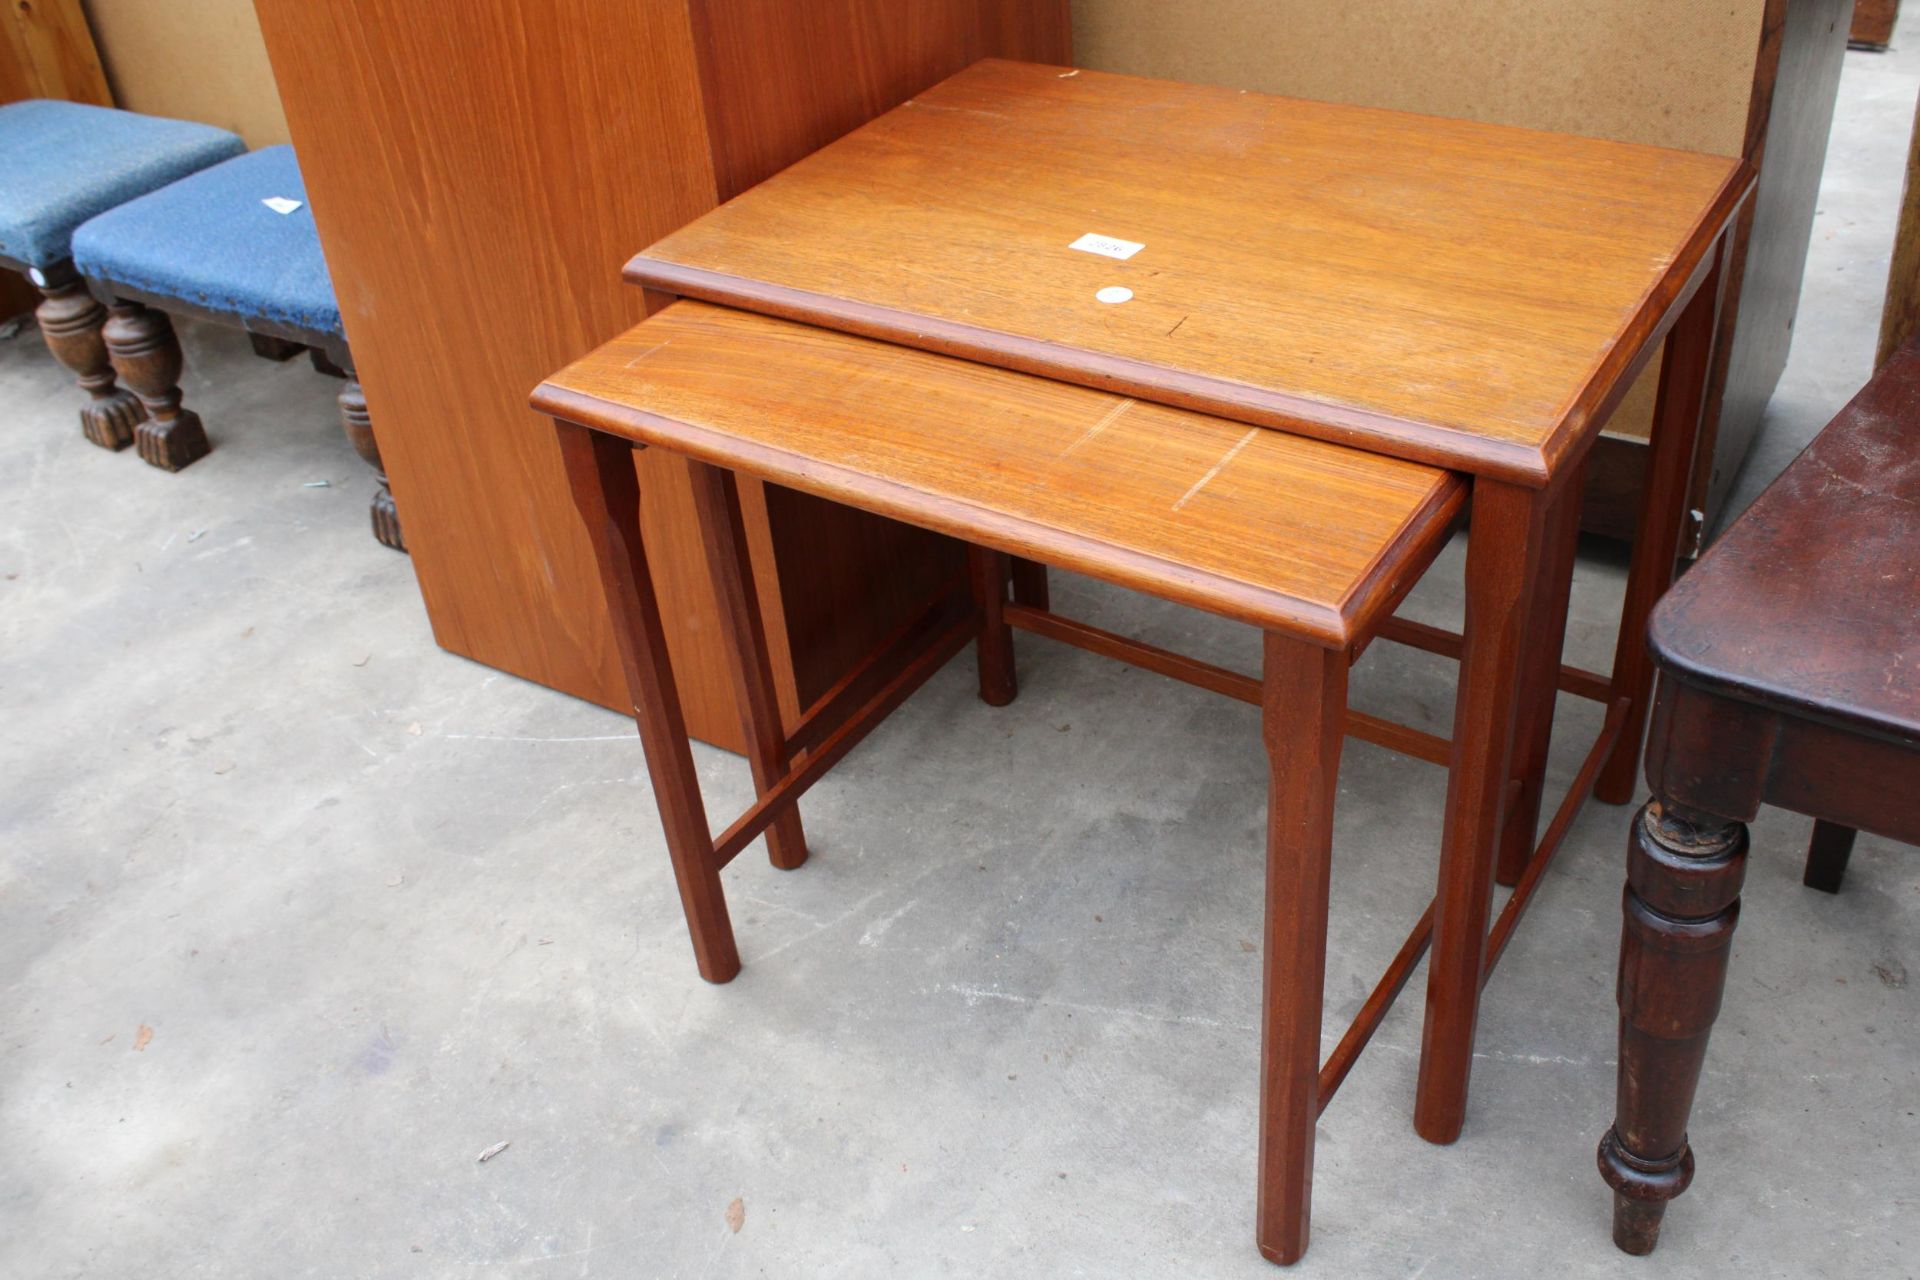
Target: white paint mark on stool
[(1218, 467), (1114, 293)]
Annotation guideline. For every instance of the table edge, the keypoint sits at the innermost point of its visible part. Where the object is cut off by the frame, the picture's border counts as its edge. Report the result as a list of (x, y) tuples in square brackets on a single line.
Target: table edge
[(1329, 626), (1371, 432), (1612, 376)]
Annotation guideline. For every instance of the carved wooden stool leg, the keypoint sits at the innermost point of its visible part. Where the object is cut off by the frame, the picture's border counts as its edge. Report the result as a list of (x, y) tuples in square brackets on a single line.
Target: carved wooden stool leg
[(1303, 719), (359, 427), (607, 494), (716, 505), (70, 319), (1682, 900), (146, 355), (1827, 856), (1030, 584), (988, 572)]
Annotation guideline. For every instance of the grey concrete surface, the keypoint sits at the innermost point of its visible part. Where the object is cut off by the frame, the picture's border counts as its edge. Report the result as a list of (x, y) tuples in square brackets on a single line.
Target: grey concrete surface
[(299, 914)]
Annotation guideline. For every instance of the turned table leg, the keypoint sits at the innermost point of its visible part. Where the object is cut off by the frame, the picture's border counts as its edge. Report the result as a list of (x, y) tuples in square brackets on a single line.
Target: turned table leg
[(987, 571), (358, 424), (70, 320), (1682, 900), (146, 355), (1303, 721)]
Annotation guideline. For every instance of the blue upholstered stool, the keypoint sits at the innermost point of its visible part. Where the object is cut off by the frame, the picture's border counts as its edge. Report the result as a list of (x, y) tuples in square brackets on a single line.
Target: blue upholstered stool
[(60, 164), (235, 244)]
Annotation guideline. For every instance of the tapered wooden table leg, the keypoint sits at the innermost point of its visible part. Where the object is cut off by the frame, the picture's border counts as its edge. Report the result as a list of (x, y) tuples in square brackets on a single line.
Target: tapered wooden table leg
[(1682, 901), (1663, 505), (70, 320), (723, 534), (1303, 720), (1540, 682), (1504, 550), (1030, 584), (146, 355), (607, 494), (1827, 856), (987, 570)]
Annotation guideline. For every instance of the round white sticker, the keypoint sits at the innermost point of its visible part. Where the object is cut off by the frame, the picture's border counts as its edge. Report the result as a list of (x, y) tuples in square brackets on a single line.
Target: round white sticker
[(1115, 293)]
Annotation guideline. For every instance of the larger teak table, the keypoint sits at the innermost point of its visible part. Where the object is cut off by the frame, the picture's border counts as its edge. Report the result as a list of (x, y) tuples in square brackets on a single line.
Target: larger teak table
[(1464, 295)]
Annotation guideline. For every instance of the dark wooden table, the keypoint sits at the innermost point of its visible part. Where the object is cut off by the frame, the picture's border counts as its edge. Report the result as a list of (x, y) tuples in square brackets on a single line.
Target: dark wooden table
[(1464, 295), (1790, 675)]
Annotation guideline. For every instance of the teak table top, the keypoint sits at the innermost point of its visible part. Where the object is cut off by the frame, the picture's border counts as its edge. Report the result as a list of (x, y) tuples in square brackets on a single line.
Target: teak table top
[(1269, 528), (1465, 294)]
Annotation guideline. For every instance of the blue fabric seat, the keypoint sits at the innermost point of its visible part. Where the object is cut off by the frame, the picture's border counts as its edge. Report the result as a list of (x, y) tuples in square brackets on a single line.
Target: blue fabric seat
[(62, 162), (211, 241)]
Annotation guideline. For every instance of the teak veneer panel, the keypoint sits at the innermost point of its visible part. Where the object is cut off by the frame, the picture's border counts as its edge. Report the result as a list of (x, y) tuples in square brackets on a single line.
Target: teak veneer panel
[(1448, 291), (1277, 530), (478, 173)]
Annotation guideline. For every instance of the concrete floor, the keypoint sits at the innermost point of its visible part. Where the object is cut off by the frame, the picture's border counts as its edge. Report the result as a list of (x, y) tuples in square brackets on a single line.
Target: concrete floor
[(299, 914)]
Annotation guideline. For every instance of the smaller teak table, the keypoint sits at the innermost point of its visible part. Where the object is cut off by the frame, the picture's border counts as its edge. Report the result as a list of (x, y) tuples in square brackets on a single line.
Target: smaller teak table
[(1787, 659), (1312, 542)]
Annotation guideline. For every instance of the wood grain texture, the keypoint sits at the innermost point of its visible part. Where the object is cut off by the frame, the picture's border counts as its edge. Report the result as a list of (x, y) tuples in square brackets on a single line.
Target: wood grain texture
[(1505, 542), (1450, 292), (1656, 543), (1900, 321), (1302, 712), (601, 482), (51, 53), (478, 173), (860, 60), (1808, 603), (1266, 527)]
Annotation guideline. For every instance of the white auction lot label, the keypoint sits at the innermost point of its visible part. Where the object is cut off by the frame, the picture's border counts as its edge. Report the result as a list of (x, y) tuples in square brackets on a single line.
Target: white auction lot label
[(1106, 246)]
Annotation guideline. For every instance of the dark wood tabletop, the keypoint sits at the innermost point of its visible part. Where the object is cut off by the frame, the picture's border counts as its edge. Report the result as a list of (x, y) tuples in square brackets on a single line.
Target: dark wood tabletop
[(1469, 295), (1810, 604)]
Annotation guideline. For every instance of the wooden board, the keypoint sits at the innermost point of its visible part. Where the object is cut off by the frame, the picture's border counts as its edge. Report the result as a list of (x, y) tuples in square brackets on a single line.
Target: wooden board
[(1793, 111), (1273, 529), (1447, 291), (51, 52), (202, 61), (478, 173)]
